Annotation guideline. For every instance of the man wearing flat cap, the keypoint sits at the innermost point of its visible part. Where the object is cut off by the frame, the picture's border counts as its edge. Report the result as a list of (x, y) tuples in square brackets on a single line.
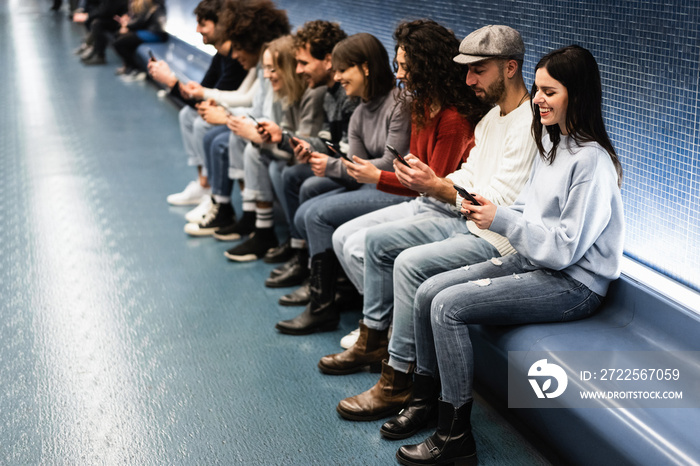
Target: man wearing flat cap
[(412, 241)]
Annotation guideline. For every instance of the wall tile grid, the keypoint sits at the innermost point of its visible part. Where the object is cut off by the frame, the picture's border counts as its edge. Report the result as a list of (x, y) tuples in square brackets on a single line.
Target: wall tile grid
[(649, 56)]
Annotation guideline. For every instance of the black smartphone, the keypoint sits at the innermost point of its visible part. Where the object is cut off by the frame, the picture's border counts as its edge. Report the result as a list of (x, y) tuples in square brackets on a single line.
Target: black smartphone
[(254, 120), (294, 142), (151, 56), (332, 148), (338, 153), (465, 194), (398, 156)]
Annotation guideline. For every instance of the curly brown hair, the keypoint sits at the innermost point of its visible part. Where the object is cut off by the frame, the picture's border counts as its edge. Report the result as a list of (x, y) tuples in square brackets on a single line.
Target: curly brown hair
[(321, 37), (250, 24), (432, 77), (208, 10)]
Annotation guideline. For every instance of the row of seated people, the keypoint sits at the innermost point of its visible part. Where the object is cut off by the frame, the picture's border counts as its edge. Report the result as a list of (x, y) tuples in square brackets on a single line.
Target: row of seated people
[(126, 24), (459, 197)]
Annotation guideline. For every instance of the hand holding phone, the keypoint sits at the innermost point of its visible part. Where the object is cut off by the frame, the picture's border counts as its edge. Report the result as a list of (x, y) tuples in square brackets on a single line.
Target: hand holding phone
[(151, 56), (253, 119), (338, 153), (465, 194), (398, 156)]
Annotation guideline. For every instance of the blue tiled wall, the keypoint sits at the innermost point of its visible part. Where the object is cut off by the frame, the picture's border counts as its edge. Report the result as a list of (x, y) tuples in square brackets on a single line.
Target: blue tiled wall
[(649, 56)]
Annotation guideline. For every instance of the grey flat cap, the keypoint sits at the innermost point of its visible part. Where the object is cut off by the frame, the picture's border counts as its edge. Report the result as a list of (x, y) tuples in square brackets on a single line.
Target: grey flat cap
[(489, 42)]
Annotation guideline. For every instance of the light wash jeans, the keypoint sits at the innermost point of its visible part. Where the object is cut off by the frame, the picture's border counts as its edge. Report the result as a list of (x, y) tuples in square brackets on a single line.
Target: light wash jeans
[(258, 180), (318, 218), (504, 291), (193, 128), (400, 255)]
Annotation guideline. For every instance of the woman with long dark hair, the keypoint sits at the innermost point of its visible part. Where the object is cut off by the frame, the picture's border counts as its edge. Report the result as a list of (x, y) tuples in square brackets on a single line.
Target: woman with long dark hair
[(362, 67), (443, 112), (567, 227)]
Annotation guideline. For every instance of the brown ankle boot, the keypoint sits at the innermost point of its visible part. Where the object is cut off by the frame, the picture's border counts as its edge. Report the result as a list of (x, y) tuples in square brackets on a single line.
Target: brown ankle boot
[(386, 398), (369, 350)]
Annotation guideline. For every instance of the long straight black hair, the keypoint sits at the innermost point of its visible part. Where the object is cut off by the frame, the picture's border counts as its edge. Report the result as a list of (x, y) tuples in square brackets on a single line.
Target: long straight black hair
[(576, 69)]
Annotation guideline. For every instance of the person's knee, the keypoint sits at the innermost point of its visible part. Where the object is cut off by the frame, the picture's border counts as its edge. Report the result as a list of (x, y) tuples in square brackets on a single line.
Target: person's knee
[(187, 116), (425, 296), (307, 190)]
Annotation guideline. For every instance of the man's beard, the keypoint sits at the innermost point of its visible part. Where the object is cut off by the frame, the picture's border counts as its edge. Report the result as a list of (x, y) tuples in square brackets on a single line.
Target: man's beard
[(494, 92)]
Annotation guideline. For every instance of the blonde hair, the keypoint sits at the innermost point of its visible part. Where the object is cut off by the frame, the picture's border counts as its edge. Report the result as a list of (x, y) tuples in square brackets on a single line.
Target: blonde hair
[(284, 62), (139, 6)]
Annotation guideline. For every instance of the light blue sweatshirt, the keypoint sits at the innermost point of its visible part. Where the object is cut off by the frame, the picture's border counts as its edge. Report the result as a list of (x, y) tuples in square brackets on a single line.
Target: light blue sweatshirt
[(569, 216)]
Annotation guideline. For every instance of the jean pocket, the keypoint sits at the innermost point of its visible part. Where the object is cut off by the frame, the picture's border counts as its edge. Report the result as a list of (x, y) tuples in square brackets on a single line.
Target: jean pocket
[(585, 308)]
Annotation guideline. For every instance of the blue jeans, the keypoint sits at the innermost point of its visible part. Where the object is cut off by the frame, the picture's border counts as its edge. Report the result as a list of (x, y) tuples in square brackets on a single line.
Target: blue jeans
[(150, 37), (399, 257), (299, 184), (216, 145), (276, 171), (317, 218), (216, 160), (506, 291), (349, 238)]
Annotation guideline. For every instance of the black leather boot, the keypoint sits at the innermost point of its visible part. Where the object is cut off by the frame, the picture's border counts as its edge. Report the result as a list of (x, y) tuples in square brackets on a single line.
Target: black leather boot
[(292, 273), (321, 314), (421, 410), (452, 443), (280, 254), (299, 297)]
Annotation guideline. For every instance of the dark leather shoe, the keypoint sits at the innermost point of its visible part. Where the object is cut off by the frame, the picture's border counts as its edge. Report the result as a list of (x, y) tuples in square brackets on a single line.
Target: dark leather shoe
[(299, 297), (94, 59), (280, 254), (386, 398), (294, 275), (369, 350), (421, 411), (324, 319), (299, 257), (452, 442)]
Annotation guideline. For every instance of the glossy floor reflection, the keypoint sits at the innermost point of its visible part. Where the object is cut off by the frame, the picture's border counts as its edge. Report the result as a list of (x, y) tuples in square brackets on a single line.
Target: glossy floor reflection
[(122, 341)]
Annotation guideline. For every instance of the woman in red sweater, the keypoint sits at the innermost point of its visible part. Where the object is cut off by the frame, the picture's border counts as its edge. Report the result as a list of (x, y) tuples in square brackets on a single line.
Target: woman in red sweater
[(444, 111)]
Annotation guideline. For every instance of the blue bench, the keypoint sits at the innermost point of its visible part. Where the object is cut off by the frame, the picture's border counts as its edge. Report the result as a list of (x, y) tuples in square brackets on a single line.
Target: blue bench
[(632, 318)]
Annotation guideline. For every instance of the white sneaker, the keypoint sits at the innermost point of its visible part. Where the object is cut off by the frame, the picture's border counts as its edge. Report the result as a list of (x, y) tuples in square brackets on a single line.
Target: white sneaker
[(134, 76), (197, 214), (193, 194), (348, 341)]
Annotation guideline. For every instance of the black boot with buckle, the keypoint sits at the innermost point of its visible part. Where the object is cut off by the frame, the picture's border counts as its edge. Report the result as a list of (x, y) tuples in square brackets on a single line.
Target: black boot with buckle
[(420, 412), (452, 442)]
